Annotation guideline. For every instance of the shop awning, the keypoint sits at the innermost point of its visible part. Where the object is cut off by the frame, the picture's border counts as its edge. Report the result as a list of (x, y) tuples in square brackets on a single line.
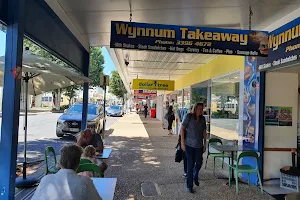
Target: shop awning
[(45, 75)]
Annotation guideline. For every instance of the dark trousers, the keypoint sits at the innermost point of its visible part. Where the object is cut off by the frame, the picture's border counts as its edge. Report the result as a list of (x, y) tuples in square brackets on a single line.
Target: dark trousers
[(184, 162), (194, 163)]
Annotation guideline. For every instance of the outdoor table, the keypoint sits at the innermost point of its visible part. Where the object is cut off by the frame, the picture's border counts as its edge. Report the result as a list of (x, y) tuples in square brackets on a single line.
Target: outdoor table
[(231, 149), (105, 187), (105, 154)]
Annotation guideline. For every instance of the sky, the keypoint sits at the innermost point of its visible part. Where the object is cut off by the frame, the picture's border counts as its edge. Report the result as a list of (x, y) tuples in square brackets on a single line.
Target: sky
[(108, 65)]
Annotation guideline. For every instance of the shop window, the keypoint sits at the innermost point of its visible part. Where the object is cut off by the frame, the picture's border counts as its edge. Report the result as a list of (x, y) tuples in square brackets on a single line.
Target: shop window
[(225, 104), (46, 99), (199, 95)]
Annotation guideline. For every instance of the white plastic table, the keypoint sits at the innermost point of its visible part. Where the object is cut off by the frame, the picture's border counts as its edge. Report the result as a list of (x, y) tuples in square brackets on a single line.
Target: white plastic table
[(105, 154), (105, 187)]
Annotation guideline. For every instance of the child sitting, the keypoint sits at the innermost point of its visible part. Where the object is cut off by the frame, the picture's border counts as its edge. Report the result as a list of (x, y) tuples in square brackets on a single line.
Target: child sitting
[(90, 154)]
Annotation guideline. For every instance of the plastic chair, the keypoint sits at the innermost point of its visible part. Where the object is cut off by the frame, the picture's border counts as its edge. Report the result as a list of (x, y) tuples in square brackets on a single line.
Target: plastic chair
[(245, 169), (216, 155), (85, 161), (50, 169), (90, 167)]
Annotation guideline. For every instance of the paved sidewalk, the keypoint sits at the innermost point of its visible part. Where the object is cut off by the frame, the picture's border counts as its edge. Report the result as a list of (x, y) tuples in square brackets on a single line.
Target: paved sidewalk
[(142, 152)]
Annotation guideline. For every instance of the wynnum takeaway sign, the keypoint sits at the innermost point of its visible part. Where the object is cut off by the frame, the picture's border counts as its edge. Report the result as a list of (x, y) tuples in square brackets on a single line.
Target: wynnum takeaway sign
[(144, 84), (187, 39), (284, 47)]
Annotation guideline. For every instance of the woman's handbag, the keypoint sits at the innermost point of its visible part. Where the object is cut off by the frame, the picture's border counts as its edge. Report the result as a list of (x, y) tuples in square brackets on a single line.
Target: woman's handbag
[(178, 155)]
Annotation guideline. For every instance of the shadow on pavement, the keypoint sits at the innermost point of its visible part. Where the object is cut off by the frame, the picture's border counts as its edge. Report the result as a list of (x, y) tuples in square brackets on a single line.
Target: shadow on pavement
[(36, 148)]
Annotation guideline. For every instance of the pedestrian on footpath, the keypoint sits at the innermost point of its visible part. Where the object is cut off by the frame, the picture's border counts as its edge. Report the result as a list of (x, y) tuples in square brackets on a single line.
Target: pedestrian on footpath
[(146, 110), (193, 137), (170, 117), (179, 143)]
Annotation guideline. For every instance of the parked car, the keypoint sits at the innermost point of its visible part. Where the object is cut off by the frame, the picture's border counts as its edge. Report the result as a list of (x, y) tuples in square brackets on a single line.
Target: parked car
[(70, 122), (116, 111)]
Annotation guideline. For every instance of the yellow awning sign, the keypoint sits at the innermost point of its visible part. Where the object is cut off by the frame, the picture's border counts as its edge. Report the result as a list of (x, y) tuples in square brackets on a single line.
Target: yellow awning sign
[(145, 84)]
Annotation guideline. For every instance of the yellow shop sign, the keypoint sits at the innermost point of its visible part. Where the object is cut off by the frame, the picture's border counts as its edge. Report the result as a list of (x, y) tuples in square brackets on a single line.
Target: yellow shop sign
[(144, 84)]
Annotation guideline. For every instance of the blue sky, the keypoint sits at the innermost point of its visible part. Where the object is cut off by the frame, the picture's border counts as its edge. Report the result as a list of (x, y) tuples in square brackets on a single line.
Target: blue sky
[(108, 65)]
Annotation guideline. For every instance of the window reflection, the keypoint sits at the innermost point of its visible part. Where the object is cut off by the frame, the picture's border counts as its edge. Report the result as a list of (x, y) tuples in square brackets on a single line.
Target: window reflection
[(225, 106)]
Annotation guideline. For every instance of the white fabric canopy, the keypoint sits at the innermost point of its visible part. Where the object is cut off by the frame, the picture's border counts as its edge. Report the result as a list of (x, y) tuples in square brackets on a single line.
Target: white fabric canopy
[(45, 75)]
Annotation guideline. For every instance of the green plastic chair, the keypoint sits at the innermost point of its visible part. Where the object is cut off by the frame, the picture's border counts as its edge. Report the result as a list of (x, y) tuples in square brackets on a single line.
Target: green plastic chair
[(216, 155), (245, 169), (50, 169), (90, 167), (85, 161)]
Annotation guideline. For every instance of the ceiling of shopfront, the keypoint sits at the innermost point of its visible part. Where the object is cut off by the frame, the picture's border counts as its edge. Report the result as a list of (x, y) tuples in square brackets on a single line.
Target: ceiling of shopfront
[(90, 20)]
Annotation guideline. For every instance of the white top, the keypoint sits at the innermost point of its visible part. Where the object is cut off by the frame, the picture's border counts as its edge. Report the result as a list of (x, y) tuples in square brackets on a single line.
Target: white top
[(66, 185)]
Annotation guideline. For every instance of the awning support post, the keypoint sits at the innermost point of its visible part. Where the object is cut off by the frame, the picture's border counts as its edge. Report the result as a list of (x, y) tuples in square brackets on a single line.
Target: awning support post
[(85, 100), (11, 98)]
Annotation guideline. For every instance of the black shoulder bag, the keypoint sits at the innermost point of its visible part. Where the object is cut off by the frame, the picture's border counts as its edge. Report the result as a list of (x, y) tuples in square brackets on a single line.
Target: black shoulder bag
[(179, 152)]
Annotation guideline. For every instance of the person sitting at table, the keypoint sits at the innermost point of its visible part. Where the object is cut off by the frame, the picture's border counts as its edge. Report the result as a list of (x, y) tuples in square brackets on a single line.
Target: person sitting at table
[(88, 138), (90, 154), (66, 184)]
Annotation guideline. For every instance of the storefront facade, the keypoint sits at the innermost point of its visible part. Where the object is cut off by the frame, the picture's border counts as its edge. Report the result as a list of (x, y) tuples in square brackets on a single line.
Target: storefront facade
[(281, 98)]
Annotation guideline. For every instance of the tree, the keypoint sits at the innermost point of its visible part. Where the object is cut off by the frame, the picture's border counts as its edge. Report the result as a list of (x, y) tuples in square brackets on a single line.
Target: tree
[(116, 85), (96, 65), (70, 92)]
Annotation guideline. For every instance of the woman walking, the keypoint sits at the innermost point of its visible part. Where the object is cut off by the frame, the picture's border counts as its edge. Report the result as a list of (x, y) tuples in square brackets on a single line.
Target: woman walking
[(179, 142), (170, 116), (193, 137)]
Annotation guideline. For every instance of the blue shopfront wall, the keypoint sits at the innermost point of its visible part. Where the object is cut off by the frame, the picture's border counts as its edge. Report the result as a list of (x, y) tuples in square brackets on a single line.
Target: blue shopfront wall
[(36, 20), (253, 118), (283, 52), (283, 55)]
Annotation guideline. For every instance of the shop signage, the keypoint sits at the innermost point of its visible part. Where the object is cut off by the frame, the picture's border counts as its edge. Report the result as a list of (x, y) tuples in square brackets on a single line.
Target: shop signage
[(144, 94), (278, 116), (284, 47), (144, 84), (188, 39)]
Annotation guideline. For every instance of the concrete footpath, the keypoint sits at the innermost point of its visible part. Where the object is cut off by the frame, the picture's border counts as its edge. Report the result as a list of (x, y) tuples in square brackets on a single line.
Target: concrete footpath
[(143, 153)]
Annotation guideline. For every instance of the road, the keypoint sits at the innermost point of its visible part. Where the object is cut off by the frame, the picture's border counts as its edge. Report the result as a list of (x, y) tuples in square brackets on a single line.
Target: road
[(230, 124), (41, 133)]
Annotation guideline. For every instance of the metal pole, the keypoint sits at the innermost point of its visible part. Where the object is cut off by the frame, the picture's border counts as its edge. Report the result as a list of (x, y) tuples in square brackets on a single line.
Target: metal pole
[(11, 97), (104, 102), (25, 125)]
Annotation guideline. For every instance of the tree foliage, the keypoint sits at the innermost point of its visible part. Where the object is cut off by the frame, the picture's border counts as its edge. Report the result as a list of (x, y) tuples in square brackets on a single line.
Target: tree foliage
[(70, 92), (96, 65), (116, 85)]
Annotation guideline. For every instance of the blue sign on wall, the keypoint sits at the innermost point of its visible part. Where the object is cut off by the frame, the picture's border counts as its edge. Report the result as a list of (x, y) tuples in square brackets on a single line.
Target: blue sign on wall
[(284, 47), (188, 39), (251, 87)]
